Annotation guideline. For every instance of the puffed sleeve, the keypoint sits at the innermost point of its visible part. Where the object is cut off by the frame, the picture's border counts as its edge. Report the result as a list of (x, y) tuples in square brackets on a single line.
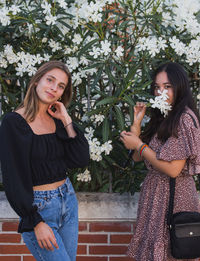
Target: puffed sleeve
[(76, 149), (185, 146), (15, 148)]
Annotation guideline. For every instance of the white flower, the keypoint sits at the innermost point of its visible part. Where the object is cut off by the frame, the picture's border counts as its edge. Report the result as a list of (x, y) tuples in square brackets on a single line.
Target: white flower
[(85, 176), (46, 7), (97, 118), (50, 19), (4, 18), (95, 52), (62, 3), (107, 147), (3, 62), (44, 40), (77, 79), (198, 96), (119, 51), (105, 47), (77, 39), (14, 9), (10, 55), (177, 45), (84, 118), (72, 63), (84, 60), (90, 132), (161, 103), (55, 46), (161, 43)]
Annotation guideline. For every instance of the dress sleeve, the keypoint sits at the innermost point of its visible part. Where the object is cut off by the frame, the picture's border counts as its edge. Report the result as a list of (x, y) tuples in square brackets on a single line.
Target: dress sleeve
[(185, 146), (15, 140), (76, 149)]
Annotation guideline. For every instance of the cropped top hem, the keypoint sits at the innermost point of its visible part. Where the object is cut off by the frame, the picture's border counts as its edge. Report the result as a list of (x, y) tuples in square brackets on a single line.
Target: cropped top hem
[(49, 181)]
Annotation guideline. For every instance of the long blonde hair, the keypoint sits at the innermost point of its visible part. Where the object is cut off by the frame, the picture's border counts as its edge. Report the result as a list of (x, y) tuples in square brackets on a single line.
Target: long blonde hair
[(30, 102)]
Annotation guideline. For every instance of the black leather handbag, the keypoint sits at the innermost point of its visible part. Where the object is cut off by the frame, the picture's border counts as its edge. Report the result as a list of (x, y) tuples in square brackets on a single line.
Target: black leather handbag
[(184, 228)]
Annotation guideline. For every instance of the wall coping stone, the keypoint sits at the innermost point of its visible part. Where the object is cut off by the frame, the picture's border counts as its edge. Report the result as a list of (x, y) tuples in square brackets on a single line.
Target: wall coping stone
[(92, 207)]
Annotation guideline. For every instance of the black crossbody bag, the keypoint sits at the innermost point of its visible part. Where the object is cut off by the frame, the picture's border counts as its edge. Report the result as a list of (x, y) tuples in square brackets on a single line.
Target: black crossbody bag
[(184, 228)]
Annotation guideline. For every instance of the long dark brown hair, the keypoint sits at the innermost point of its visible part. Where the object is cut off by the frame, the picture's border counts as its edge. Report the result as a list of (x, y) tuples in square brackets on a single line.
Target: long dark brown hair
[(30, 102), (166, 127)]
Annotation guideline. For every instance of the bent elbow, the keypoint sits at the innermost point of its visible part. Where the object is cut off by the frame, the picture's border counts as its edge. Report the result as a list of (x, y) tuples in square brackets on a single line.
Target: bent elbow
[(173, 174)]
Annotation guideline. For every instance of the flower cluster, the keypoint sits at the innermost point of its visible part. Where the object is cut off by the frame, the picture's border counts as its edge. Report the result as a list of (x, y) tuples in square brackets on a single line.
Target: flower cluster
[(85, 176), (96, 148), (161, 103)]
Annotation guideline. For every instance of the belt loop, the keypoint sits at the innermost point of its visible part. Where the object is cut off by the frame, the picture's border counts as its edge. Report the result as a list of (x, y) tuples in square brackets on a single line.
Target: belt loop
[(60, 190)]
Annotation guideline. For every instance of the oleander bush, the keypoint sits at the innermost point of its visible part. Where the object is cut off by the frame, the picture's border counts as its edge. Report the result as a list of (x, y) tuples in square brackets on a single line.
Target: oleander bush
[(110, 47)]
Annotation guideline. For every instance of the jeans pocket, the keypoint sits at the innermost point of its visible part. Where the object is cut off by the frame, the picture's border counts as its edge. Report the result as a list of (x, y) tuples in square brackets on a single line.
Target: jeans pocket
[(40, 203)]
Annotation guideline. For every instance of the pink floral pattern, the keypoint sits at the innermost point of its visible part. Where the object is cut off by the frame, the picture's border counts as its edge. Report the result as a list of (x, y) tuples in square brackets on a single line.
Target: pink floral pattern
[(150, 241)]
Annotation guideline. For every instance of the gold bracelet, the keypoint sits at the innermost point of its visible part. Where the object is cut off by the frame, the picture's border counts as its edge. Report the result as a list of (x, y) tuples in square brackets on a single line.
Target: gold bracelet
[(67, 124)]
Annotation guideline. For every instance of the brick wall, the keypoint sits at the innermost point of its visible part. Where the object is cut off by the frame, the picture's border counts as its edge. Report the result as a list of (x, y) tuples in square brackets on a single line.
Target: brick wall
[(98, 241)]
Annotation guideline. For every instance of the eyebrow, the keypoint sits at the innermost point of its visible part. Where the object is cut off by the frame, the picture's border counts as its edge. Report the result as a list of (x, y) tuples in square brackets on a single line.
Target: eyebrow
[(55, 79)]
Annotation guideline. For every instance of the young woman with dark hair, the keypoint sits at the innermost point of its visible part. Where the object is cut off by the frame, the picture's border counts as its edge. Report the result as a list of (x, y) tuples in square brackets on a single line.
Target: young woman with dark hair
[(173, 150), (39, 143)]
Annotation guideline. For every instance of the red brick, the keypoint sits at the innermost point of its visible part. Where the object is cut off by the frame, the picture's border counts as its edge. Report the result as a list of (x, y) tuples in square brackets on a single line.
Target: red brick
[(82, 226), (10, 226), (120, 239), (107, 250), (14, 249), (10, 238), (28, 258), (121, 259), (81, 250), (92, 238), (91, 258), (10, 258), (110, 227)]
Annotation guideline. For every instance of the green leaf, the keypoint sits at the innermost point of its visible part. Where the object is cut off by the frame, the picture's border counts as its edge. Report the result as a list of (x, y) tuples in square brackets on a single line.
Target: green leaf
[(131, 73), (107, 101), (86, 47), (129, 100), (131, 113), (119, 118), (105, 130)]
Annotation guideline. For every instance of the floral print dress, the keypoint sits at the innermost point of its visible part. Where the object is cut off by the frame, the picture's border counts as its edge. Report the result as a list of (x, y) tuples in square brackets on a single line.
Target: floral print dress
[(150, 241)]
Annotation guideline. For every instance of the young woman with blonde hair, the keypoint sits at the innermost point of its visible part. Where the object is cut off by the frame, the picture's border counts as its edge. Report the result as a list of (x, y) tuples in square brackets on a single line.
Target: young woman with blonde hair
[(39, 143)]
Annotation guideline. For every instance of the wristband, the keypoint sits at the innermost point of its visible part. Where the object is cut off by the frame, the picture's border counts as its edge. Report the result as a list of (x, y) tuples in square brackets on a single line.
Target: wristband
[(142, 148), (67, 124)]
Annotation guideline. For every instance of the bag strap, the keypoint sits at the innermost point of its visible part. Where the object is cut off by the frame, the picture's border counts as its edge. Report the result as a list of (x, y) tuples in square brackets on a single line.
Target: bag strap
[(172, 184)]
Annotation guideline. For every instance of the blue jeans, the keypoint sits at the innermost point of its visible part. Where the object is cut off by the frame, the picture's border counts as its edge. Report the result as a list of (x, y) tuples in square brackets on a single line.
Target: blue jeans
[(59, 209)]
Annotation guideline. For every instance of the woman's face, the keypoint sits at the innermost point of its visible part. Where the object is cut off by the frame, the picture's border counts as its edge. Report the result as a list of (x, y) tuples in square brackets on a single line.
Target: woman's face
[(51, 86), (162, 83)]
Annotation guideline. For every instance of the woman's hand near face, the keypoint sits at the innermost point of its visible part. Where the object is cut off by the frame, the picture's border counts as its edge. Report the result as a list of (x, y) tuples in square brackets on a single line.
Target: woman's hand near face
[(139, 112), (45, 236), (60, 112), (130, 140)]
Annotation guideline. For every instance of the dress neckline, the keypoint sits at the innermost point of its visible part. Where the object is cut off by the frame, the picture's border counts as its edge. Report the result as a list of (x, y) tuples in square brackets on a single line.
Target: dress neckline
[(44, 134)]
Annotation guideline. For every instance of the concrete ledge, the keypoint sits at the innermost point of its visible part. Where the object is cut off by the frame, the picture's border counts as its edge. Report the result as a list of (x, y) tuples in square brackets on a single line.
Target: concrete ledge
[(92, 207)]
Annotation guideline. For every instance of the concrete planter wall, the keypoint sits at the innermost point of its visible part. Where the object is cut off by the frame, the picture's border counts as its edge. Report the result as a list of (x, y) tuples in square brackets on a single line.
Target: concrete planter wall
[(105, 228)]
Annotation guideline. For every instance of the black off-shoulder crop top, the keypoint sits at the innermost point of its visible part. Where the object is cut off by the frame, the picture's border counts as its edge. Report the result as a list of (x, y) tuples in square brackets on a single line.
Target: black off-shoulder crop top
[(28, 159)]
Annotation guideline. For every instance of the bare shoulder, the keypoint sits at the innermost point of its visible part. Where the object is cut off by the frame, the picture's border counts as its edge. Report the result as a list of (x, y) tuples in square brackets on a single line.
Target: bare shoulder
[(20, 111)]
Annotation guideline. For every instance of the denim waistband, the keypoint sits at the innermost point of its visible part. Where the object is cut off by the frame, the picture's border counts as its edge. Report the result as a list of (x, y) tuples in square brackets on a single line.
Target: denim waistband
[(66, 187)]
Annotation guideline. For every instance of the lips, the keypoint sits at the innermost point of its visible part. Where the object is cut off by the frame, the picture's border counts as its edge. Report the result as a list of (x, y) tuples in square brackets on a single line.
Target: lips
[(50, 95)]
